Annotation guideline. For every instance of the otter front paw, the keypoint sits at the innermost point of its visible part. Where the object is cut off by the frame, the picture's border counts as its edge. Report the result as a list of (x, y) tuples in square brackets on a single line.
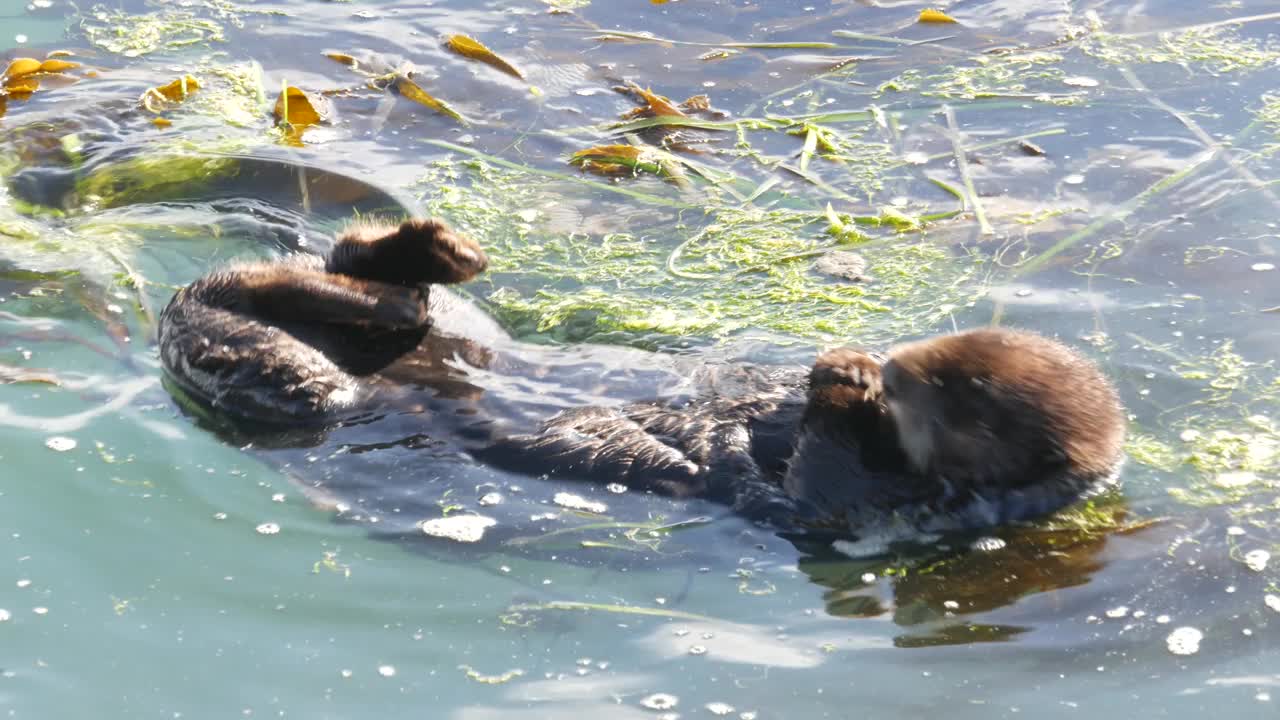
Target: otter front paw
[(846, 368), (399, 308)]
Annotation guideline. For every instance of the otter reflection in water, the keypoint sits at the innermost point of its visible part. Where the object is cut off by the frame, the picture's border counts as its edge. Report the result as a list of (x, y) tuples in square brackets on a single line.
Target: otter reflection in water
[(962, 431)]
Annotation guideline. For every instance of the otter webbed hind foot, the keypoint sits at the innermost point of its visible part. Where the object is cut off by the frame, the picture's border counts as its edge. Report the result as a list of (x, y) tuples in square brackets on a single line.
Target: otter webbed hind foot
[(418, 251)]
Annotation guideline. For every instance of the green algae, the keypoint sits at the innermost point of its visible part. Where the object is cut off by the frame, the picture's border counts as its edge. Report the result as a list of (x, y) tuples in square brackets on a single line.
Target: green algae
[(726, 270), (168, 30), (1033, 75), (1216, 50), (123, 33), (152, 178)]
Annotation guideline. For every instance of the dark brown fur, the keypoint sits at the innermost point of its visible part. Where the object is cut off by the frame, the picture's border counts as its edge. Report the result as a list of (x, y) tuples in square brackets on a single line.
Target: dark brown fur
[(954, 432)]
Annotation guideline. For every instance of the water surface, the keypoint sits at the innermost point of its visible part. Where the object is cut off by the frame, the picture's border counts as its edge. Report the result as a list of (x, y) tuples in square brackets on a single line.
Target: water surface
[(141, 579)]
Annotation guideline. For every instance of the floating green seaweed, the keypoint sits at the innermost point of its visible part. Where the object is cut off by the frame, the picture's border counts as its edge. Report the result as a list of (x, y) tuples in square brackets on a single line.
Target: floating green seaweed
[(728, 270)]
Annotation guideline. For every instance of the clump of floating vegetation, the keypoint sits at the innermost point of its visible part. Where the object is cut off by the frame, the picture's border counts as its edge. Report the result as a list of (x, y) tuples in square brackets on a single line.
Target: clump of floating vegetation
[(1269, 113), (728, 268), (1031, 75), (123, 33), (118, 31), (1215, 49), (1229, 458)]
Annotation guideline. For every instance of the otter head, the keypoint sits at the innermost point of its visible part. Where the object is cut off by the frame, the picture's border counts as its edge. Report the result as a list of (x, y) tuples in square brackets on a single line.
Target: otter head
[(1002, 407), (418, 251)]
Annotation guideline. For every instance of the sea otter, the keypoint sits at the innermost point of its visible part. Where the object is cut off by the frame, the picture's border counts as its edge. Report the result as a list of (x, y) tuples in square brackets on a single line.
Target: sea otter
[(958, 432)]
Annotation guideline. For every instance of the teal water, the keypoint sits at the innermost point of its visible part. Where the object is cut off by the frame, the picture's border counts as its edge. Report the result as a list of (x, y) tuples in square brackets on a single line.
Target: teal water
[(140, 578)]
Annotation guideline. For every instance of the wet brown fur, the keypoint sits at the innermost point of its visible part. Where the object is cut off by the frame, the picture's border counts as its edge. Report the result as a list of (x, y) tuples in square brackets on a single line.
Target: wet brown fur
[(1006, 406)]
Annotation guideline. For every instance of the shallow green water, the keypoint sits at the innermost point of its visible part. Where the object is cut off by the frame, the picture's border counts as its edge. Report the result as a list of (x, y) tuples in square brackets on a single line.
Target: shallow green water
[(136, 581)]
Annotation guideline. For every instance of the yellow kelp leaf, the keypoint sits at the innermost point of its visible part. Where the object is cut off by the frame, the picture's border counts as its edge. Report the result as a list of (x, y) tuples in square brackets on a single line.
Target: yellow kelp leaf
[(628, 160), (414, 92), (157, 99), (21, 88), (656, 104), (161, 122), (935, 16), (19, 67), (57, 66), (343, 58), (299, 109), (474, 49)]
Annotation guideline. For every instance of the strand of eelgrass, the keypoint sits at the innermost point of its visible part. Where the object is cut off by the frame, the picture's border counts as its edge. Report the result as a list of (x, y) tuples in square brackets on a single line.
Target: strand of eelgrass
[(962, 165)]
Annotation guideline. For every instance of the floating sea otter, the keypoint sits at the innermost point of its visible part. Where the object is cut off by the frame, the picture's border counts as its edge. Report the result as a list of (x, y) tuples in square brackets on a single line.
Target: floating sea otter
[(961, 431)]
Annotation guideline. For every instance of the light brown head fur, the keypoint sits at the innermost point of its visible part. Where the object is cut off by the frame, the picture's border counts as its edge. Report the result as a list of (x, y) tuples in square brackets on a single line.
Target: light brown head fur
[(1002, 406), (419, 250)]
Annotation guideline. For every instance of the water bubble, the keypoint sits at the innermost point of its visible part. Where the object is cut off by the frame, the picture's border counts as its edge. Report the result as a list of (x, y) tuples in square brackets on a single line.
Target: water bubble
[(278, 497), (1184, 641), (1272, 602), (459, 528), (698, 650), (268, 528), (868, 578), (492, 498), (387, 670), (23, 583), (5, 615), (60, 443), (577, 502), (1235, 531), (1075, 179), (1163, 619), (1256, 560), (40, 610), (616, 488), (1080, 81), (660, 701), (1117, 612), (719, 708), (1262, 267), (988, 544), (346, 673)]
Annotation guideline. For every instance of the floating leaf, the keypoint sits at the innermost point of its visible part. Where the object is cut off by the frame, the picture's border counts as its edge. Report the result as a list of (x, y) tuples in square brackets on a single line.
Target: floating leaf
[(719, 54), (19, 67), (298, 109), (10, 374), (935, 16), (628, 160), (810, 145), (158, 99), (343, 58), (59, 53), (655, 105), (161, 122), (22, 87), (57, 66), (475, 50), (414, 92)]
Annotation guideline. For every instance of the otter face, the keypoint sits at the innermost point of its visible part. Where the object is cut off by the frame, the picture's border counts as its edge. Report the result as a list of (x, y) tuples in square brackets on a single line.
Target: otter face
[(913, 408)]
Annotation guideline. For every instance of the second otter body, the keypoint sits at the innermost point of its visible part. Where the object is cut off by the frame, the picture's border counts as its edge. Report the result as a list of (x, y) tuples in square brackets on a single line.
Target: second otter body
[(959, 432)]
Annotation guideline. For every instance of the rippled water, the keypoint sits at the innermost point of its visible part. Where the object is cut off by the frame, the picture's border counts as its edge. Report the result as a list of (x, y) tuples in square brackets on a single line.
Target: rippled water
[(143, 573)]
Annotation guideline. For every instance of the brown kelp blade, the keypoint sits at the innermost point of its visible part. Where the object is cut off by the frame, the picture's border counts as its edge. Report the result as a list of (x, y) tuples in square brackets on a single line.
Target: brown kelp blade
[(414, 92), (476, 50)]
